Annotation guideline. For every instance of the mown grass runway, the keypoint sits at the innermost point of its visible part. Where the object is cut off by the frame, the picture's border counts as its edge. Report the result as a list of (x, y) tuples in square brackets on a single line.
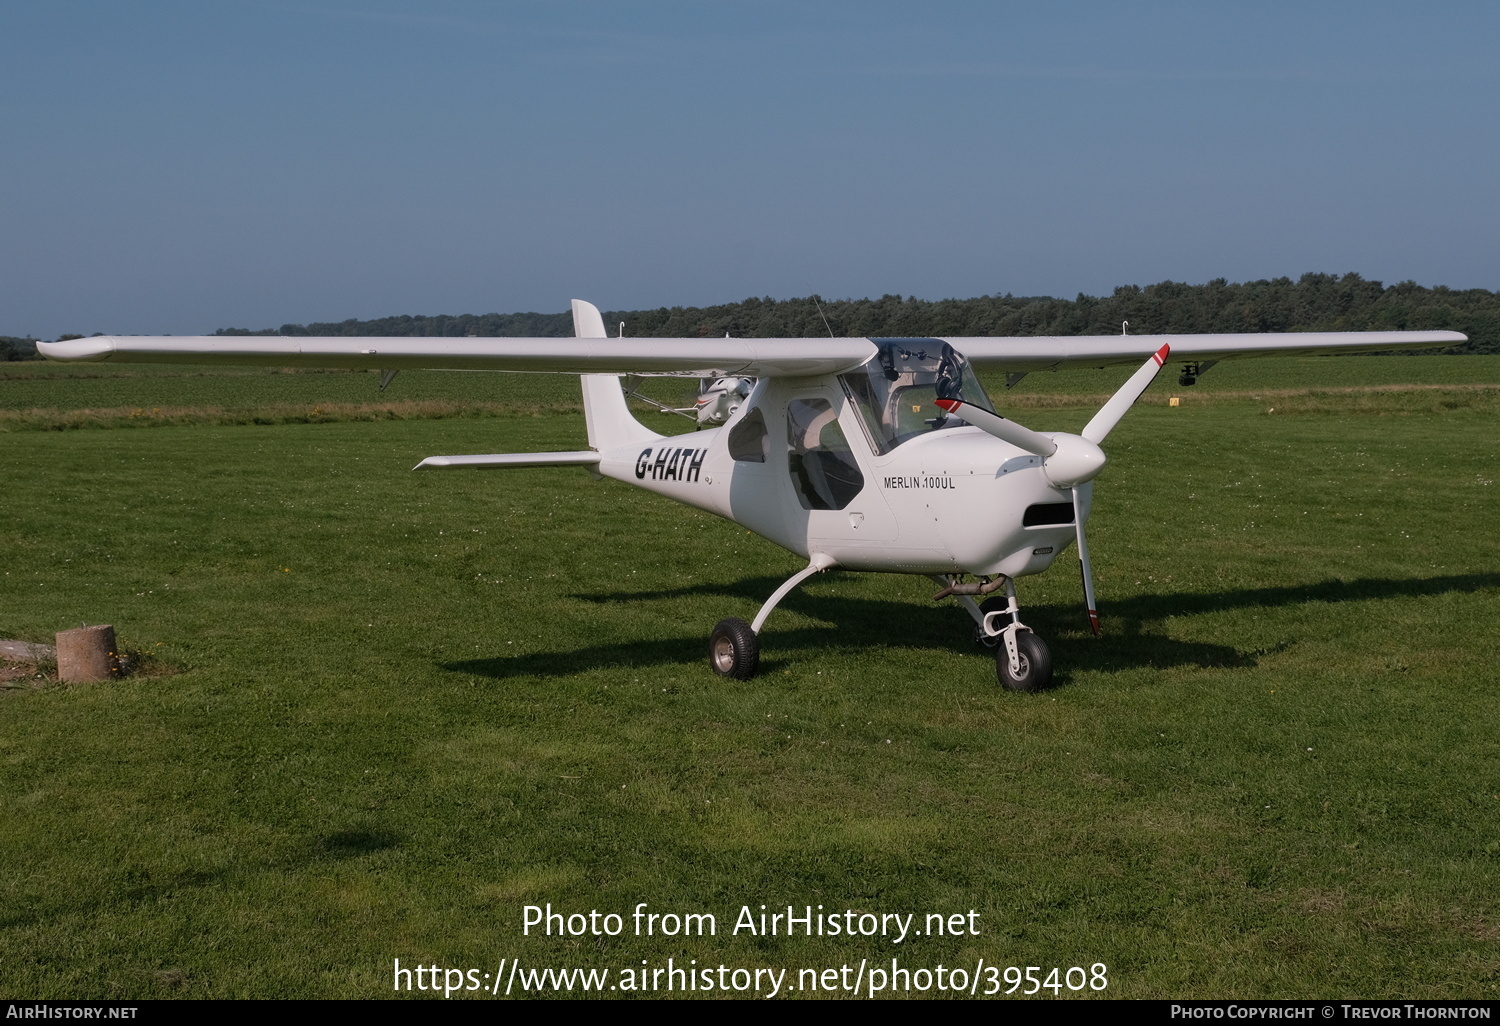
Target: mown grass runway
[(382, 711)]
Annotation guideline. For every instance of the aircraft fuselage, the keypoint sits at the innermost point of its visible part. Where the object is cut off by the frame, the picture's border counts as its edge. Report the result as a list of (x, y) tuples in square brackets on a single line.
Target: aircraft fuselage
[(950, 501)]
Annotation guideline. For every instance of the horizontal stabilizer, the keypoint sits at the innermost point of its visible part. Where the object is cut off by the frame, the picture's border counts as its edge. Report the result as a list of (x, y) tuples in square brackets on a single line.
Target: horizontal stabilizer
[(587, 458)]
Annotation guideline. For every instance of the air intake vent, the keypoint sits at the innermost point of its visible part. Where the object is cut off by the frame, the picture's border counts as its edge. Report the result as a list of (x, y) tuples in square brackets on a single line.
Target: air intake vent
[(1048, 514)]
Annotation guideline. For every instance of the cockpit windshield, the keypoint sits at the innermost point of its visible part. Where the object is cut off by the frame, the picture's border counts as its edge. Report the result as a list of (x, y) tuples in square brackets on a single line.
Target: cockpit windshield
[(896, 392)]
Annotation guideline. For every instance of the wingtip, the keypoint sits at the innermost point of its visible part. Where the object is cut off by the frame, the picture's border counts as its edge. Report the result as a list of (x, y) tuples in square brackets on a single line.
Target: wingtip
[(77, 349)]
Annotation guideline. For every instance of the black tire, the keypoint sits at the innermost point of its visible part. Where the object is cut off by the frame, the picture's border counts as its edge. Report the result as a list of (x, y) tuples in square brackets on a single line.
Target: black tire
[(1036, 664), (990, 605), (734, 650)]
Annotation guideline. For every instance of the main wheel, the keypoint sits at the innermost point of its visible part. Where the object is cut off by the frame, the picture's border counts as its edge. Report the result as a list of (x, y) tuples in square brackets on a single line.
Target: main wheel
[(1036, 663), (734, 650)]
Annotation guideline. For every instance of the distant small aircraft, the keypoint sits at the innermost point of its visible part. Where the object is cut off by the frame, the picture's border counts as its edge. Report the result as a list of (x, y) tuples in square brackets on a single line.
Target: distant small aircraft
[(717, 400), (880, 454)]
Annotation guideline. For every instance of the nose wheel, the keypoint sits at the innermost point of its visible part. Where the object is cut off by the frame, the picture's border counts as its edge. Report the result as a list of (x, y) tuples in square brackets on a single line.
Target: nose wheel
[(1030, 669), (1022, 660)]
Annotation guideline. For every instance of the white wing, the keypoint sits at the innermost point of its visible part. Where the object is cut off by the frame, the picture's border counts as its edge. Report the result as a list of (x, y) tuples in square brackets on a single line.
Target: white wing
[(1044, 353), (717, 357), (692, 357)]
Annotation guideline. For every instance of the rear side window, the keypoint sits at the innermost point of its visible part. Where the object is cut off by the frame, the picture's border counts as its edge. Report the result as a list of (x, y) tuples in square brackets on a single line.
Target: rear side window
[(749, 441)]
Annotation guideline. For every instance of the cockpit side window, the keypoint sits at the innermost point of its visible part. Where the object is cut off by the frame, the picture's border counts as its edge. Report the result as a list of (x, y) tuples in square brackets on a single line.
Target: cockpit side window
[(897, 392), (823, 469)]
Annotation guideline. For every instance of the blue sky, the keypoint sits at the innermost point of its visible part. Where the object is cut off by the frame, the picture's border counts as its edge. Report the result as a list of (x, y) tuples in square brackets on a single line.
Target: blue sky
[(177, 167)]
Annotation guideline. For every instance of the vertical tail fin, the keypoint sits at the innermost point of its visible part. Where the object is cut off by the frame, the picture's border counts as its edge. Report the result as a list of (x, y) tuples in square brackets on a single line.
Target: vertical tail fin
[(608, 416)]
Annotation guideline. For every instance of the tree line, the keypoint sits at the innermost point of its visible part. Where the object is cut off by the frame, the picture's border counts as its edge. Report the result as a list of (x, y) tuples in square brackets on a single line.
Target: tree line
[(17, 349)]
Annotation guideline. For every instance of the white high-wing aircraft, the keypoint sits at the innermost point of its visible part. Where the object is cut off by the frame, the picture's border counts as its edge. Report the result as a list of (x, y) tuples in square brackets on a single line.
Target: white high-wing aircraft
[(879, 454)]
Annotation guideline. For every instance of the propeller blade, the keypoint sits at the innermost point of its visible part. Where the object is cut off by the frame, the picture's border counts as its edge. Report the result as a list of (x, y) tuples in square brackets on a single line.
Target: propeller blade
[(1005, 430), (1110, 413), (1083, 565)]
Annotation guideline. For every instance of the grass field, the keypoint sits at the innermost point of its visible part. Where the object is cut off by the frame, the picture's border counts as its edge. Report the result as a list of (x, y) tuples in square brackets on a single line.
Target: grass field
[(378, 712)]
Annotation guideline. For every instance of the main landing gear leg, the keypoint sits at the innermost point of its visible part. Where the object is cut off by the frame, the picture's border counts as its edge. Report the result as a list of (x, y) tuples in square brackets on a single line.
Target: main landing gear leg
[(1022, 661), (734, 646)]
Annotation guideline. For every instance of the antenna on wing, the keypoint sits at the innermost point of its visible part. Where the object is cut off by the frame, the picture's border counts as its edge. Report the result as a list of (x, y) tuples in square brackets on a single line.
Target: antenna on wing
[(821, 314)]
